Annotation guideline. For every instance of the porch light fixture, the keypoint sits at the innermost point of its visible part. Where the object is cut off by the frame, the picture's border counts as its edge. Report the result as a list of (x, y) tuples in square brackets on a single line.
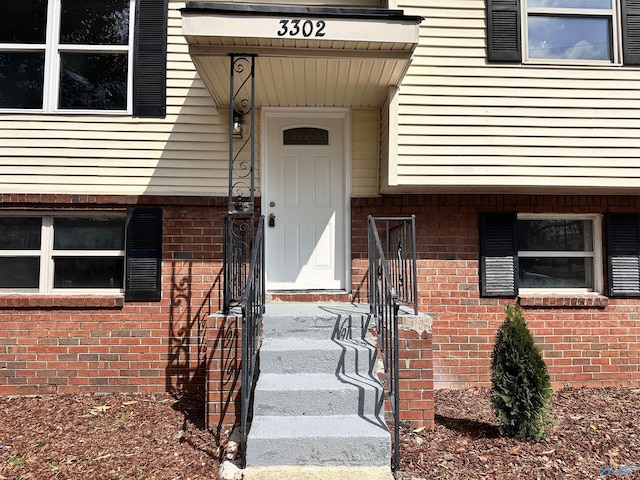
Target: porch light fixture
[(238, 117)]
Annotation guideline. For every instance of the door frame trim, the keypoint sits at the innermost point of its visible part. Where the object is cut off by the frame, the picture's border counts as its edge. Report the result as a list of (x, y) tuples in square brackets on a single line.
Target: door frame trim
[(343, 113)]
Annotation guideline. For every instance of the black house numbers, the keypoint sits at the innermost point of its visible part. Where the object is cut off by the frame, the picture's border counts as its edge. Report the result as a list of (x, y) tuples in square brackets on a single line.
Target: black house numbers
[(301, 28)]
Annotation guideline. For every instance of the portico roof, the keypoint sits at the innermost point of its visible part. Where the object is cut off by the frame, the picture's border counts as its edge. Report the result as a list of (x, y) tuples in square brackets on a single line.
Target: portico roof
[(306, 56)]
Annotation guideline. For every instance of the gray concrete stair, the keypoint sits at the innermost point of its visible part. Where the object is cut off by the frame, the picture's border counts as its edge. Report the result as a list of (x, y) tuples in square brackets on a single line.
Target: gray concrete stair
[(317, 399)]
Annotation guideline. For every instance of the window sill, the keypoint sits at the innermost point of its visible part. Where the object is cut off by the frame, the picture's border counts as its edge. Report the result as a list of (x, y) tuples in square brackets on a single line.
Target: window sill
[(61, 301), (571, 300)]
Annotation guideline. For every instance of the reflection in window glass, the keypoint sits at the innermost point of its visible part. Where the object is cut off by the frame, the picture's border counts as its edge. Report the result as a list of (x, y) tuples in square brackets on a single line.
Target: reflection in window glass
[(305, 136), (20, 233), (93, 81), (95, 22), (23, 21), (88, 272), (580, 38), (88, 234), (556, 272), (555, 235), (582, 4), (25, 272), (21, 79)]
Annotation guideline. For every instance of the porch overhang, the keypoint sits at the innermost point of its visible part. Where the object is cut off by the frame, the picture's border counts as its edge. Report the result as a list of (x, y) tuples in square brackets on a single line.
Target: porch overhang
[(306, 56)]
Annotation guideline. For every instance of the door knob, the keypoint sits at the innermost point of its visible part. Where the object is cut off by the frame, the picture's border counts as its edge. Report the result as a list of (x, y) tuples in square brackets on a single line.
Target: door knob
[(272, 220)]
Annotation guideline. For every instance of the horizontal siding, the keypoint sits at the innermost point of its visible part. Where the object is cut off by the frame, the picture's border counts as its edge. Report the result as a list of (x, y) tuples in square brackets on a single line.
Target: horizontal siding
[(182, 154), (465, 123), (365, 146)]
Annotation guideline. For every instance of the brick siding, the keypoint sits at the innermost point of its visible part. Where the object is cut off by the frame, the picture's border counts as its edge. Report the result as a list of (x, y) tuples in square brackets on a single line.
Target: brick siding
[(585, 342), (56, 344)]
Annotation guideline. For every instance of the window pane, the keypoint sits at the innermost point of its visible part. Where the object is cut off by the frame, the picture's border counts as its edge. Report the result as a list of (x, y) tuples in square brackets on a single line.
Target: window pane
[(95, 22), (24, 21), (87, 272), (88, 234), (305, 136), (595, 4), (583, 38), (21, 79), (93, 81), (20, 233), (24, 272), (555, 235), (556, 273)]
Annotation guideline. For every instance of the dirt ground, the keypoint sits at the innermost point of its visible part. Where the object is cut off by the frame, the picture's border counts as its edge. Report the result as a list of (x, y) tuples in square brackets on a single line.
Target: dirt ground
[(595, 434)]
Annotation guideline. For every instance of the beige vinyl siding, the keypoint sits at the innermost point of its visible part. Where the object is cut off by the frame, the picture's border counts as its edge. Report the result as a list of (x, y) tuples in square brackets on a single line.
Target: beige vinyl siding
[(365, 146), (466, 124), (182, 154)]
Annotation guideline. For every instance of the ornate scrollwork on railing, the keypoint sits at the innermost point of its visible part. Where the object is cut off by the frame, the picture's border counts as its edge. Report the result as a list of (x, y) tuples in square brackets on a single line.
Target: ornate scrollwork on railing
[(241, 134)]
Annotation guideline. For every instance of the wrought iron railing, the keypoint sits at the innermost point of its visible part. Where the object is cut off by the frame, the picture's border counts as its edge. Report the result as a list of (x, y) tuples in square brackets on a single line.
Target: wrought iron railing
[(244, 290), (392, 283)]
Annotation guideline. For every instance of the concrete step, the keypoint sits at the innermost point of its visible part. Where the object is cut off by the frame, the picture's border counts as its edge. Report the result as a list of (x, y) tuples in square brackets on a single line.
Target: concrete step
[(317, 394), (348, 440), (318, 328), (294, 355), (317, 473), (297, 320)]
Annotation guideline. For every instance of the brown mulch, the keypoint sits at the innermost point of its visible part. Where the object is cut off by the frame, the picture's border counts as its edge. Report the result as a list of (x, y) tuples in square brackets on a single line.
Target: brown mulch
[(591, 429), (161, 437), (96, 437)]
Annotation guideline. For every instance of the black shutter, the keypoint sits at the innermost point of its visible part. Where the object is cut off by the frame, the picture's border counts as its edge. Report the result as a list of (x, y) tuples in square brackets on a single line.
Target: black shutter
[(144, 255), (630, 32), (150, 59), (503, 31), (498, 255), (623, 254)]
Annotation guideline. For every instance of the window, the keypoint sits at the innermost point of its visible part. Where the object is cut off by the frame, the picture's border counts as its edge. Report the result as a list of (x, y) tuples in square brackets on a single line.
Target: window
[(79, 56), (48, 254), (571, 30), (564, 31), (539, 253), (96, 253), (558, 252)]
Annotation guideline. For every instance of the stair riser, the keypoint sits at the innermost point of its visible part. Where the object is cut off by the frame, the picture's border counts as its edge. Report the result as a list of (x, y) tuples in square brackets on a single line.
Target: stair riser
[(348, 360), (347, 451), (316, 328), (365, 401)]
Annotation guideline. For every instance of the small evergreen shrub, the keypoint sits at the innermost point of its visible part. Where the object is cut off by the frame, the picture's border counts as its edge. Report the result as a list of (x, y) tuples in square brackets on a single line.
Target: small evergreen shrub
[(521, 390)]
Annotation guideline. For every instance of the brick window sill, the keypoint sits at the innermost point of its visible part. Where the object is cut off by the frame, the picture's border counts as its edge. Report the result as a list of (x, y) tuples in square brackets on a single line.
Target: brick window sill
[(585, 300), (61, 301)]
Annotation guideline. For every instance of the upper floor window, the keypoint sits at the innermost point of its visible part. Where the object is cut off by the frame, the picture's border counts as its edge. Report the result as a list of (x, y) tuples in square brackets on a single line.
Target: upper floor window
[(66, 55), (77, 56), (571, 30), (564, 31)]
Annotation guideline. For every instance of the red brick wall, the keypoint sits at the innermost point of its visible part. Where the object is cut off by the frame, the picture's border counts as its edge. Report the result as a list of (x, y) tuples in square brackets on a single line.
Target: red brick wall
[(102, 344), (595, 344)]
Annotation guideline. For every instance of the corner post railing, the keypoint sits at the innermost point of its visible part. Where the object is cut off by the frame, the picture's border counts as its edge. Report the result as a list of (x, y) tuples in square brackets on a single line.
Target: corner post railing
[(392, 284), (243, 270)]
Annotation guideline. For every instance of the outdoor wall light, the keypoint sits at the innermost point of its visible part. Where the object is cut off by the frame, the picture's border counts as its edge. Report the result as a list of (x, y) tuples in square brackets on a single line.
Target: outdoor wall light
[(238, 116)]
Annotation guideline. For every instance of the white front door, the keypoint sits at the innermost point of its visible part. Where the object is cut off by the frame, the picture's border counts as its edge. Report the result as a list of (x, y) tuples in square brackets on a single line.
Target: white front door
[(304, 202)]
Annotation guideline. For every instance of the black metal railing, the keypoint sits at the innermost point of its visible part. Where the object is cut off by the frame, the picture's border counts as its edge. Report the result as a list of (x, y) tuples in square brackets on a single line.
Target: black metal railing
[(244, 290), (392, 283)]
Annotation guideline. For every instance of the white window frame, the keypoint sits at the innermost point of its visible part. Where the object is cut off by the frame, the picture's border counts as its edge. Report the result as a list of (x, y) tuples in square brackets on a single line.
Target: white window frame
[(47, 254), (52, 50), (616, 34), (596, 254)]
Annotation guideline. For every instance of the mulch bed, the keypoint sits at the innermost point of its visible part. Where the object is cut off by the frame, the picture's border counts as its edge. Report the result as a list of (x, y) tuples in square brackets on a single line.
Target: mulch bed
[(162, 437), (592, 429)]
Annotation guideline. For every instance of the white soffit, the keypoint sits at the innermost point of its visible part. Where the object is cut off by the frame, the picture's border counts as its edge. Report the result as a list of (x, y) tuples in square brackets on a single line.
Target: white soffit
[(306, 56)]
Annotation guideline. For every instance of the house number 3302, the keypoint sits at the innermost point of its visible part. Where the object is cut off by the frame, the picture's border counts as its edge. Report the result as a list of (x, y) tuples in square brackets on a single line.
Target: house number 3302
[(299, 28)]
